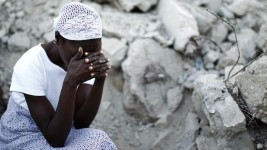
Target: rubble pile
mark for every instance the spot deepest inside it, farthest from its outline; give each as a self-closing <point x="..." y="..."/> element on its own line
<point x="166" y="89"/>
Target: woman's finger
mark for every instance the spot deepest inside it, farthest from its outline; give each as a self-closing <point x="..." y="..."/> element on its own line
<point x="99" y="66"/>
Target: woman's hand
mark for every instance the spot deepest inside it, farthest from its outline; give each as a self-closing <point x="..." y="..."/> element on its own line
<point x="98" y="64"/>
<point x="79" y="69"/>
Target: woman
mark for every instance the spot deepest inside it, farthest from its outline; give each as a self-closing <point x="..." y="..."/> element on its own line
<point x="57" y="87"/>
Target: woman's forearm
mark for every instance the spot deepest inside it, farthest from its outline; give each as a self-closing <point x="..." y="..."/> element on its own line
<point x="92" y="99"/>
<point x="61" y="122"/>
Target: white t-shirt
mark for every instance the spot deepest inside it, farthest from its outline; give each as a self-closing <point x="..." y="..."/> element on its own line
<point x="36" y="75"/>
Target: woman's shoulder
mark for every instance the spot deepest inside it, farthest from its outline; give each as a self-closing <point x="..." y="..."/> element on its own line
<point x="32" y="53"/>
<point x="31" y="57"/>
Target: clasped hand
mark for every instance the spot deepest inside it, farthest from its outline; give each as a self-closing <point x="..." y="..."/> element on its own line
<point x="84" y="66"/>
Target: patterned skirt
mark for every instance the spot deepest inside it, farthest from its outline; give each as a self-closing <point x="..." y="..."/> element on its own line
<point x="19" y="131"/>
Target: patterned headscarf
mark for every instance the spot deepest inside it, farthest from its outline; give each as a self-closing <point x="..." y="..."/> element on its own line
<point x="77" y="21"/>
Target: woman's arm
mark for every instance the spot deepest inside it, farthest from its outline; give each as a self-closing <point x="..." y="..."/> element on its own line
<point x="87" y="103"/>
<point x="88" y="97"/>
<point x="54" y="125"/>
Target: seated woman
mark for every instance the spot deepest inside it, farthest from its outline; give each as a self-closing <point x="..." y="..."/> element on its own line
<point x="57" y="88"/>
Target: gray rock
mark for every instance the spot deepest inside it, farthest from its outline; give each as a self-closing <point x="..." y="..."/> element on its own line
<point x="262" y="38"/>
<point x="19" y="42"/>
<point x="20" y="14"/>
<point x="206" y="143"/>
<point x="164" y="121"/>
<point x="128" y="25"/>
<point x="242" y="141"/>
<point x="252" y="20"/>
<point x="178" y="22"/>
<point x="148" y="76"/>
<point x="204" y="18"/>
<point x="219" y="32"/>
<point x="231" y="37"/>
<point x="115" y="50"/>
<point x="240" y="7"/>
<point x="226" y="13"/>
<point x="247" y="39"/>
<point x="219" y="103"/>
<point x="230" y="58"/>
<point x="159" y="37"/>
<point x="2" y="2"/>
<point x="2" y="32"/>
<point x="211" y="57"/>
<point x="222" y="112"/>
<point x="190" y="50"/>
<point x="192" y="125"/>
<point x="225" y="46"/>
<point x="189" y="80"/>
<point x="252" y="84"/>
<point x="174" y="98"/>
<point x="235" y="70"/>
<point x="190" y="134"/>
<point x="197" y="105"/>
<point x="213" y="5"/>
<point x="129" y="5"/>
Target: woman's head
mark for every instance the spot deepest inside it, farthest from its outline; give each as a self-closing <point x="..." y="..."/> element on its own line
<point x="78" y="22"/>
<point x="77" y="25"/>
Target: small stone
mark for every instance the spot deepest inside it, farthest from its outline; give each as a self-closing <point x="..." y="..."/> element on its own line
<point x="240" y="7"/>
<point x="19" y="41"/>
<point x="164" y="121"/>
<point x="219" y="32"/>
<point x="235" y="91"/>
<point x="20" y="14"/>
<point x="262" y="38"/>
<point x="2" y="32"/>
<point x="2" y="1"/>
<point x="178" y="21"/>
<point x="115" y="50"/>
<point x="259" y="146"/>
<point x="209" y="66"/>
<point x="174" y="98"/>
<point x="129" y="5"/>
<point x="211" y="57"/>
<point x="190" y="50"/>
<point x="226" y="13"/>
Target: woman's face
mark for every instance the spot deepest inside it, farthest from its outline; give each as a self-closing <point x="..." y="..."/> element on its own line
<point x="68" y="48"/>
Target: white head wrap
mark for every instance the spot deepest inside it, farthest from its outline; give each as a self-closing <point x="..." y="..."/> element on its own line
<point x="77" y="21"/>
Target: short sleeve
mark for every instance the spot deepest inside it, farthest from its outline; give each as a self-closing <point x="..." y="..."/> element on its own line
<point x="28" y="77"/>
<point x="91" y="82"/>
